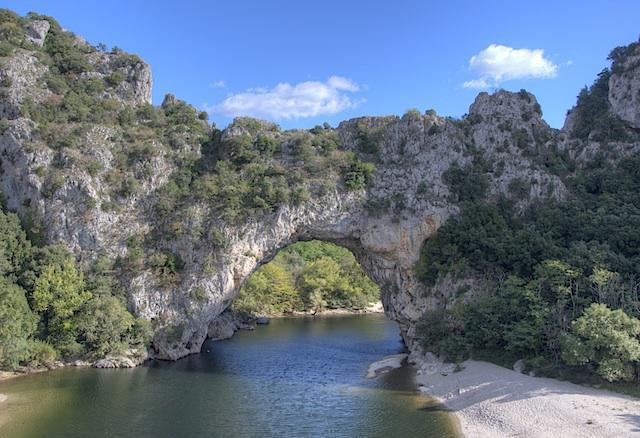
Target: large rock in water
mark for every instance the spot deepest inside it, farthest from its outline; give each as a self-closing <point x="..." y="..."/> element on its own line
<point x="70" y="191"/>
<point x="385" y="365"/>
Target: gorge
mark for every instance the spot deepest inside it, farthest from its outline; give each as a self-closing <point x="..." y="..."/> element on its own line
<point x="185" y="212"/>
<point x="385" y="225"/>
<point x="131" y="232"/>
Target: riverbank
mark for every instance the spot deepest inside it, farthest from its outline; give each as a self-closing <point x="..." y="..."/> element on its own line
<point x="492" y="401"/>
<point x="372" y="308"/>
<point x="128" y="359"/>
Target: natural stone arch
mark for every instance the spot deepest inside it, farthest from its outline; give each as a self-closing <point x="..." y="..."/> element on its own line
<point x="413" y="154"/>
<point x="387" y="253"/>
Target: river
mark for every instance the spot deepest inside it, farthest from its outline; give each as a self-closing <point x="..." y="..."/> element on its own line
<point x="292" y="378"/>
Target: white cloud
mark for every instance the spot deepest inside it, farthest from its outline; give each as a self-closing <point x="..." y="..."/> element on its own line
<point x="340" y="83"/>
<point x="499" y="63"/>
<point x="286" y="101"/>
<point x="218" y="84"/>
<point x="479" y="84"/>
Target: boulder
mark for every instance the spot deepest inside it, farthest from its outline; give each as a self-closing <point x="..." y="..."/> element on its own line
<point x="385" y="364"/>
<point x="128" y="359"/>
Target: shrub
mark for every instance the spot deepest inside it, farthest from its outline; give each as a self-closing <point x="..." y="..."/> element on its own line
<point x="608" y="339"/>
<point x="439" y="332"/>
<point x="359" y="175"/>
<point x="17" y="324"/>
<point x="41" y="353"/>
<point x="59" y="292"/>
<point x="114" y="79"/>
<point x="104" y="325"/>
<point x="468" y="183"/>
<point x="6" y="49"/>
<point x="592" y="112"/>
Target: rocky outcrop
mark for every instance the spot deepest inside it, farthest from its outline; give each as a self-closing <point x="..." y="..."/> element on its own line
<point x="624" y="87"/>
<point x="69" y="190"/>
<point x="128" y="359"/>
<point x="36" y="31"/>
<point x="226" y="324"/>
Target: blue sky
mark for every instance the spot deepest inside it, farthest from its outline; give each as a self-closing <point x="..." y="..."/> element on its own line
<point x="338" y="59"/>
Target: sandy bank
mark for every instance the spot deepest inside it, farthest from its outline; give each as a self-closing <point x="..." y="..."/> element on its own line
<point x="492" y="401"/>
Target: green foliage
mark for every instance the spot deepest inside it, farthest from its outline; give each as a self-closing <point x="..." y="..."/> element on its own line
<point x="15" y="249"/>
<point x="359" y="175"/>
<point x="480" y="237"/>
<point x="58" y="294"/>
<point x="167" y="265"/>
<point x="271" y="289"/>
<point x="105" y="325"/>
<point x="542" y="267"/>
<point x="115" y="79"/>
<point x="47" y="309"/>
<point x="41" y="353"/>
<point x="440" y="332"/>
<point x="17" y="324"/>
<point x="593" y="115"/>
<point x="308" y="276"/>
<point x="606" y="338"/>
<point x="468" y="183"/>
<point x="367" y="141"/>
<point x="619" y="56"/>
<point x="412" y="114"/>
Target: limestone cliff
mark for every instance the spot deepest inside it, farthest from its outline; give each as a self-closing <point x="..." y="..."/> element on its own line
<point x="95" y="183"/>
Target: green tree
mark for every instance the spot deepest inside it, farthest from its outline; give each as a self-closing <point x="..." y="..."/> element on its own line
<point x="442" y="333"/>
<point x="318" y="281"/>
<point x="15" y="249"/>
<point x="605" y="338"/>
<point x="17" y="324"/>
<point x="271" y="289"/>
<point x="104" y="325"/>
<point x="58" y="294"/>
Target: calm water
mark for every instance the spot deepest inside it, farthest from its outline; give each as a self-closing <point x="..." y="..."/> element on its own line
<point x="292" y="378"/>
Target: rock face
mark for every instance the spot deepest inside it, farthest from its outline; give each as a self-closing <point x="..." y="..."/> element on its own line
<point x="37" y="31"/>
<point x="225" y="325"/>
<point x="385" y="225"/>
<point x="624" y="87"/>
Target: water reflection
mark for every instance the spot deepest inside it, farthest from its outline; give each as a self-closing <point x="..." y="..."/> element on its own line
<point x="296" y="377"/>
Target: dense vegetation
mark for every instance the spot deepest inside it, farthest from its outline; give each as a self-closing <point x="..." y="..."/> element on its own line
<point x="557" y="283"/>
<point x="50" y="309"/>
<point x="542" y="268"/>
<point x="308" y="276"/>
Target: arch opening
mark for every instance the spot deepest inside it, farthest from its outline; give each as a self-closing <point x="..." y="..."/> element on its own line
<point x="309" y="277"/>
